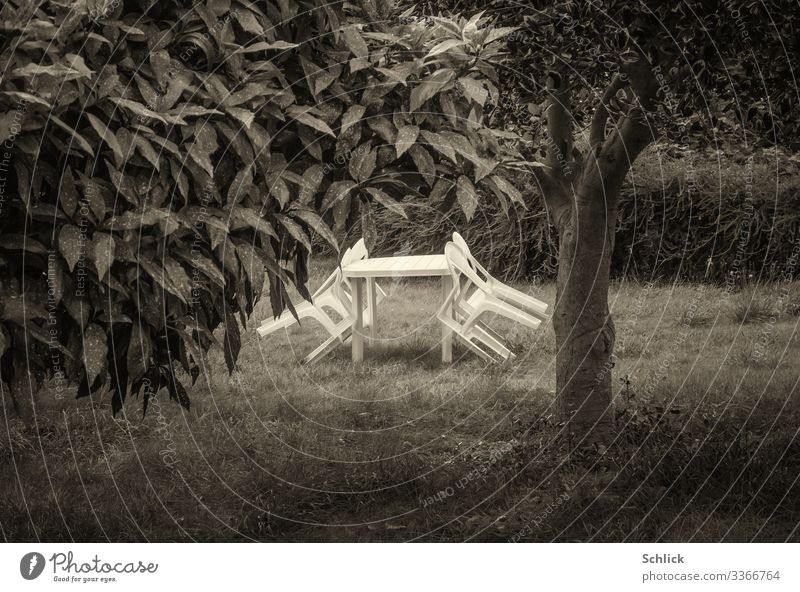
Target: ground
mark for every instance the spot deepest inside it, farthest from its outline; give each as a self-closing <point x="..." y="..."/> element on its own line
<point x="402" y="448"/>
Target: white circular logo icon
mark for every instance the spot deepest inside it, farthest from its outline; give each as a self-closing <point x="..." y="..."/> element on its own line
<point x="31" y="565"/>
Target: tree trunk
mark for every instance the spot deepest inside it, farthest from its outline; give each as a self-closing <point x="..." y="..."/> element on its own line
<point x="583" y="326"/>
<point x="581" y="195"/>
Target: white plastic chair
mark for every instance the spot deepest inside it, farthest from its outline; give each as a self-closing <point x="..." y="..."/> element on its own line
<point x="344" y="330"/>
<point x="498" y="289"/>
<point x="463" y="308"/>
<point x="358" y="252"/>
<point x="322" y="298"/>
<point x="335" y="294"/>
<point x="472" y="297"/>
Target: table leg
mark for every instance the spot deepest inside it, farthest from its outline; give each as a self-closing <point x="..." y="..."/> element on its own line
<point x="372" y="310"/>
<point x="357" y="287"/>
<point x="447" y="333"/>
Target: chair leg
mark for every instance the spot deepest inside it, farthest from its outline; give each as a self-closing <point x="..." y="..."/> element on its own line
<point x="345" y="308"/>
<point x="457" y="329"/>
<point x="474" y="348"/>
<point x="331" y="301"/>
<point x="528" y="304"/>
<point x="327" y="347"/>
<point x="484" y="333"/>
<point x="491" y="342"/>
<point x="473" y="318"/>
<point x="489" y="330"/>
<point x="285" y="320"/>
<point x="514" y="314"/>
<point x="344" y="331"/>
<point x="324" y="320"/>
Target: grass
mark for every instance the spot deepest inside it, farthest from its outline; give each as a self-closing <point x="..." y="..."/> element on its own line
<point x="401" y="448"/>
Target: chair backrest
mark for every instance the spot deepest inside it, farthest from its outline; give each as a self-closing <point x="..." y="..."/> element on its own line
<point x="355" y="253"/>
<point x="359" y="251"/>
<point x="347" y="258"/>
<point x="461" y="267"/>
<point x="459" y="240"/>
<point x="477" y="267"/>
<point x="332" y="278"/>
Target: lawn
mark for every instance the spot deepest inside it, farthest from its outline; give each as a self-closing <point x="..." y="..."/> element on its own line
<point x="402" y="448"/>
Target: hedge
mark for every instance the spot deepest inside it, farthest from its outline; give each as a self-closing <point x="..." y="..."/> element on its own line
<point x="715" y="218"/>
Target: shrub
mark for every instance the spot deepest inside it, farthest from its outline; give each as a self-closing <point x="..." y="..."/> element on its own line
<point x="168" y="160"/>
<point x="718" y="218"/>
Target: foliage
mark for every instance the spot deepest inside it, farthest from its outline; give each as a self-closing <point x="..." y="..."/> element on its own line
<point x="725" y="68"/>
<point x="719" y="218"/>
<point x="167" y="160"/>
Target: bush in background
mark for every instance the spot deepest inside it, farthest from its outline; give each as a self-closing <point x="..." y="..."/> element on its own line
<point x="715" y="217"/>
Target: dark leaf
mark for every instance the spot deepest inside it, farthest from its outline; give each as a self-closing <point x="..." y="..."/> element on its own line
<point x="295" y="230"/>
<point x="95" y="348"/>
<point x="233" y="340"/>
<point x="386" y="201"/>
<point x="177" y="391"/>
<point x="467" y="196"/>
<point x="316" y="222"/>
<point x="72" y="244"/>
<point x="406" y="136"/>
<point x="362" y="164"/>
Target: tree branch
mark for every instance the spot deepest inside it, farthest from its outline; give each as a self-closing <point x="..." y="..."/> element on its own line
<point x="554" y="190"/>
<point x="552" y="175"/>
<point x="559" y="127"/>
<point x="634" y="131"/>
<point x="597" y="130"/>
<point x="643" y="82"/>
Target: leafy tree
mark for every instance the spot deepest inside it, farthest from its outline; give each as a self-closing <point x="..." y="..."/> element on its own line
<point x="165" y="161"/>
<point x="605" y="79"/>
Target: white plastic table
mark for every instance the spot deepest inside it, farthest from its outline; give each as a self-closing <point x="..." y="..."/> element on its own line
<point x="362" y="274"/>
